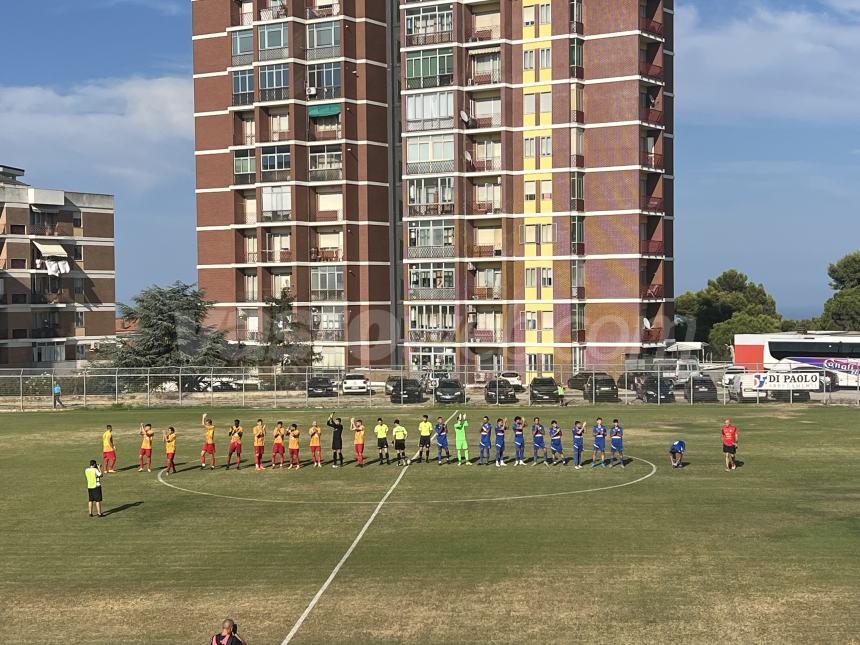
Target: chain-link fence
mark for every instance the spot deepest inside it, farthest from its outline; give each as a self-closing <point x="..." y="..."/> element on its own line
<point x="682" y="383"/>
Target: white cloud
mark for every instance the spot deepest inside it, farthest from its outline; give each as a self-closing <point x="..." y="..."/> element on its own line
<point x="769" y="64"/>
<point x="846" y="6"/>
<point x="126" y="134"/>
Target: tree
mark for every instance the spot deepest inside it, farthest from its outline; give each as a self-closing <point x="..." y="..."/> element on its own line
<point x="845" y="274"/>
<point x="723" y="333"/>
<point x="842" y="311"/>
<point x="287" y="340"/>
<point x="171" y="330"/>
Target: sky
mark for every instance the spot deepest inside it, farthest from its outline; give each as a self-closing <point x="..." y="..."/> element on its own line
<point x="96" y="96"/>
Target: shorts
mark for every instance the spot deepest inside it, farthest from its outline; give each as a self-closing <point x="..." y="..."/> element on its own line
<point x="500" y="445"/>
<point x="462" y="444"/>
<point x="600" y="444"/>
<point x="316" y="449"/>
<point x="294" y="452"/>
<point x="578" y="445"/>
<point x="382" y="443"/>
<point x="337" y="443"/>
<point x="258" y="450"/>
<point x="485" y="444"/>
<point x="95" y="494"/>
<point x="556" y="446"/>
<point x="424" y="441"/>
<point x="109" y="454"/>
<point x="442" y="441"/>
<point x="277" y="449"/>
<point x="676" y="452"/>
<point x="617" y="445"/>
<point x="209" y="448"/>
<point x="146" y="452"/>
<point x="730" y="449"/>
<point x="359" y="447"/>
<point x="400" y="444"/>
<point x="539" y="443"/>
<point x="234" y="447"/>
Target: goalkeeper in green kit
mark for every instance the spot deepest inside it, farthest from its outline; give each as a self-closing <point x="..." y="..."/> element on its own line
<point x="461" y="441"/>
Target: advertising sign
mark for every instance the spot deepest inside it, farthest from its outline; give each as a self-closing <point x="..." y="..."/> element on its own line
<point x="786" y="381"/>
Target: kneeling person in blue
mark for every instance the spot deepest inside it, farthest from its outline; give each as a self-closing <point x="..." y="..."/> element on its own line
<point x="616" y="443"/>
<point x="676" y="453"/>
<point x="555" y="443"/>
<point x="599" y="444"/>
<point x="578" y="444"/>
<point x="441" y="430"/>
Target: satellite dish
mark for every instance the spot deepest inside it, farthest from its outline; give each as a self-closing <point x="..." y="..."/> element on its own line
<point x="646" y="323"/>
<point x="463" y="116"/>
<point x="468" y="156"/>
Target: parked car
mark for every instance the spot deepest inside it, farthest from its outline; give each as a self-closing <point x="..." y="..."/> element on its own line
<point x="543" y="390"/>
<point x="389" y="383"/>
<point x="450" y="391"/>
<point x="223" y="386"/>
<point x="601" y="387"/>
<point x="654" y="390"/>
<point x="790" y="396"/>
<point x="578" y="380"/>
<point x="701" y="389"/>
<point x="431" y="379"/>
<point x="731" y="372"/>
<point x="407" y="390"/>
<point x="742" y="390"/>
<point x="514" y="379"/>
<point x="355" y="384"/>
<point x="826" y="380"/>
<point x="500" y="391"/>
<point x="320" y="386"/>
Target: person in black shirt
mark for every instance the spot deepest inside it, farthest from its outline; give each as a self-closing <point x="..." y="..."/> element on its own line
<point x="336" y="440"/>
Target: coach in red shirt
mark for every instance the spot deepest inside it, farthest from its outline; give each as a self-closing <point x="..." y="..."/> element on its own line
<point x="730" y="444"/>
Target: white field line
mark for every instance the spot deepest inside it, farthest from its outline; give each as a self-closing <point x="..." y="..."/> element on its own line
<point x="339" y="565"/>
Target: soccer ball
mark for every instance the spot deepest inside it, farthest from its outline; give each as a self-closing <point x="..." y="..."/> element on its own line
<point x="408" y="462"/>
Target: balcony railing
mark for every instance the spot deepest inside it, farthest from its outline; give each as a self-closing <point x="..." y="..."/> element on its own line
<point x="485" y="208"/>
<point x="491" y="121"/>
<point x="329" y="335"/>
<point x="650" y="115"/>
<point x="252" y="257"/>
<point x="443" y="123"/>
<point x="577" y="204"/>
<point x="434" y="38"/>
<point x="248" y="335"/>
<point x="421" y="252"/>
<point x="246" y="19"/>
<point x="577" y="248"/>
<point x="577" y="116"/>
<point x="652" y="160"/>
<point x="421" y="82"/>
<point x="489" y="32"/>
<point x="486" y="165"/>
<point x="431" y="293"/>
<point x="421" y="210"/>
<point x="577" y="335"/>
<point x="240" y="60"/>
<point x="318" y="53"/>
<point x="575" y="27"/>
<point x="325" y="174"/>
<point x="328" y="216"/>
<point x="577" y="71"/>
<point x="243" y="98"/>
<point x="48" y="230"/>
<point x="487" y="336"/>
<point x="277" y="255"/>
<point x="429" y="167"/>
<point x="484" y="251"/>
<point x="653" y="335"/>
<point x="242" y="179"/>
<point x="326" y="255"/>
<point x="275" y="53"/>
<point x="577" y="293"/>
<point x="653" y="292"/>
<point x="322" y="92"/>
<point x="651" y="27"/>
<point x="432" y="335"/>
<point x="577" y="161"/>
<point x="52" y="331"/>
<point x="651" y="71"/>
<point x="654" y="204"/>
<point x="277" y="216"/>
<point x="487" y="293"/>
<point x="276" y="175"/>
<point x="324" y="134"/>
<point x="652" y="247"/>
<point x="485" y="78"/>
<point x="273" y="13"/>
<point x="325" y="11"/>
<point x="275" y="94"/>
<point x="326" y="295"/>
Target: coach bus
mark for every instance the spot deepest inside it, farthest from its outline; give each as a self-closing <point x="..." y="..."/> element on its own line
<point x="836" y="353"/>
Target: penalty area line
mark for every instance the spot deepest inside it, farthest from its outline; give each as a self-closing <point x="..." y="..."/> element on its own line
<point x="313" y="603"/>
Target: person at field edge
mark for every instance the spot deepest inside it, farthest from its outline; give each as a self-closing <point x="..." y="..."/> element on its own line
<point x="234" y="434"/>
<point x="485" y="442"/>
<point x="555" y="443"/>
<point x="599" y="444"/>
<point x="57" y="393"/>
<point x="146" y="433"/>
<point x="501" y="427"/>
<point x="561" y="402"/>
<point x="259" y="444"/>
<point x="294" y="447"/>
<point x="358" y="440"/>
<point x="730" y="444"/>
<point x="316" y="444"/>
<point x="425" y="432"/>
<point x="539" y="441"/>
<point x="278" y="435"/>
<point x="460" y="440"/>
<point x="94" y="487"/>
<point x="108" y="450"/>
<point x="208" y="442"/>
<point x="616" y="443"/>
<point x="381" y="432"/>
<point x="400" y="434"/>
<point x="676" y="453"/>
<point x="578" y="443"/>
<point x="519" y="441"/>
<point x="229" y="634"/>
<point x="441" y="429"/>
<point x="170" y="449"/>
<point x="336" y="426"/>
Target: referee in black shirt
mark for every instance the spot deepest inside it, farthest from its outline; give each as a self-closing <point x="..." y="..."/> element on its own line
<point x="336" y="440"/>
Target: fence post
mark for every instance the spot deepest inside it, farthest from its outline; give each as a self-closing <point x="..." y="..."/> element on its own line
<point x="275" y="382"/>
<point x="307" y="370"/>
<point x="85" y="388"/>
<point x="148" y="385"/>
<point x="180" y="387"/>
<point x="53" y="398"/>
<point x="116" y="386"/>
<point x="212" y="387"/>
<point x="21" y="387"/>
<point x="243" y="386"/>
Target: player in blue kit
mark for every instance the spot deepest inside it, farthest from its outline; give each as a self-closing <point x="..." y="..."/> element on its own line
<point x="519" y="441"/>
<point x="578" y="443"/>
<point x="539" y="441"/>
<point x="501" y="427"/>
<point x="441" y="430"/>
<point x="616" y="443"/>
<point x="676" y="453"/>
<point x="599" y="444"/>
<point x="555" y="443"/>
<point x="485" y="442"/>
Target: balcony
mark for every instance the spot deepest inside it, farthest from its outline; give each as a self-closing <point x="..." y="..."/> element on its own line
<point x="49" y="230"/>
<point x="319" y="53"/>
<point x="653" y="335"/>
<point x="577" y="161"/>
<point x="577" y="71"/>
<point x="326" y="255"/>
<point x="577" y="204"/>
<point x="323" y="11"/>
<point x="423" y="252"/>
<point x="488" y="164"/>
<point x="275" y="94"/>
<point x="654" y="204"/>
<point x="487" y="336"/>
<point x="577" y="248"/>
<point x="493" y="292"/>
<point x="241" y="60"/>
<point x="422" y="210"/>
<point x="491" y="121"/>
<point x="417" y="125"/>
<point x="488" y="77"/>
<point x="422" y="82"/>
<point x="249" y="336"/>
<point x="51" y="331"/>
<point x="487" y="32"/>
<point x="577" y="116"/>
<point x="651" y="27"/>
<point x="326" y="295"/>
<point x="577" y="335"/>
<point x="273" y="13"/>
<point x="576" y="27"/>
<point x="432" y="335"/>
<point x="329" y="335"/>
<point x="651" y="71"/>
<point x="245" y="178"/>
<point x="484" y="251"/>
<point x="283" y="174"/>
<point x="652" y="247"/>
<point x="650" y="115"/>
<point x="431" y="293"/>
<point x="485" y="208"/>
<point x="429" y="38"/>
<point x="577" y="293"/>
<point x="322" y="92"/>
<point x="325" y="174"/>
<point x="324" y="134"/>
<point x="652" y="292"/>
<point x="651" y="160"/>
<point x="277" y="216"/>
<point x="277" y="256"/>
<point x="243" y="98"/>
<point x="251" y="257"/>
<point x="430" y="167"/>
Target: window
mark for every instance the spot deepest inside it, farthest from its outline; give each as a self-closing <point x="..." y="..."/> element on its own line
<point x="275" y="158"/>
<point x="244" y="162"/>
<point x="429" y="20"/>
<point x="577" y="273"/>
<point x="531" y="362"/>
<point x="431" y="317"/>
<point x="577" y="186"/>
<point x="429" y="63"/>
<point x="546" y="102"/>
<point x="433" y="106"/>
<point x="324" y="75"/>
<point x="431" y="191"/>
<point x="325" y="158"/>
<point x="78" y="285"/>
<point x="530" y="191"/>
<point x="431" y="233"/>
<point x="545" y="58"/>
<point x="80" y="352"/>
<point x="546" y="320"/>
<point x="577" y="317"/>
<point x="529" y="147"/>
<point x="529" y="16"/>
<point x="277" y="199"/>
<point x="327" y="279"/>
<point x="544" y="14"/>
<point x="530" y="320"/>
<point x="328" y="318"/>
<point x="546" y="362"/>
<point x="531" y="278"/>
<point x="546" y="146"/>
<point x="529" y="103"/>
<point x="274" y="76"/>
<point x="529" y="59"/>
<point x="546" y="190"/>
<point x="577" y="141"/>
<point x="273" y="36"/>
<point x="577" y="229"/>
<point x="547" y="233"/>
<point x="279" y="122"/>
<point x="281" y="281"/>
<point x="79" y="319"/>
<point x="430" y="148"/>
<point x="243" y="81"/>
<point x="249" y="281"/>
<point x="431" y="275"/>
<point x="576" y="53"/>
<point x="243" y="42"/>
<point x="76" y="219"/>
<point x="545" y="277"/>
<point x="324" y="34"/>
<point x="77" y="252"/>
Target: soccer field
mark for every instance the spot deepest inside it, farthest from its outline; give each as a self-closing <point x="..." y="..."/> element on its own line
<point x="767" y="553"/>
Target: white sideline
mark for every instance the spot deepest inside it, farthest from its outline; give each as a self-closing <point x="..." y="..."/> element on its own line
<point x="339" y="565"/>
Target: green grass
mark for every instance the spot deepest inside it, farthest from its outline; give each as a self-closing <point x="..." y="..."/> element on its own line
<point x="768" y="553"/>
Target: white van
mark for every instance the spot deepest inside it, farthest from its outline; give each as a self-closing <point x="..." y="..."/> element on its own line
<point x="743" y="390"/>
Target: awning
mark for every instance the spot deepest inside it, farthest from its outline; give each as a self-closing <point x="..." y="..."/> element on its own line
<point x="484" y="50"/>
<point x="687" y="347"/>
<point x="51" y="250"/>
<point x="329" y="109"/>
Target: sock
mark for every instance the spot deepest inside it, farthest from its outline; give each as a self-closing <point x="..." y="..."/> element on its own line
<point x="466" y="453"/>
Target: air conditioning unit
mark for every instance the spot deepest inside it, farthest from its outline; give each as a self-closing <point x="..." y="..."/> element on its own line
<point x="311" y="91"/>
